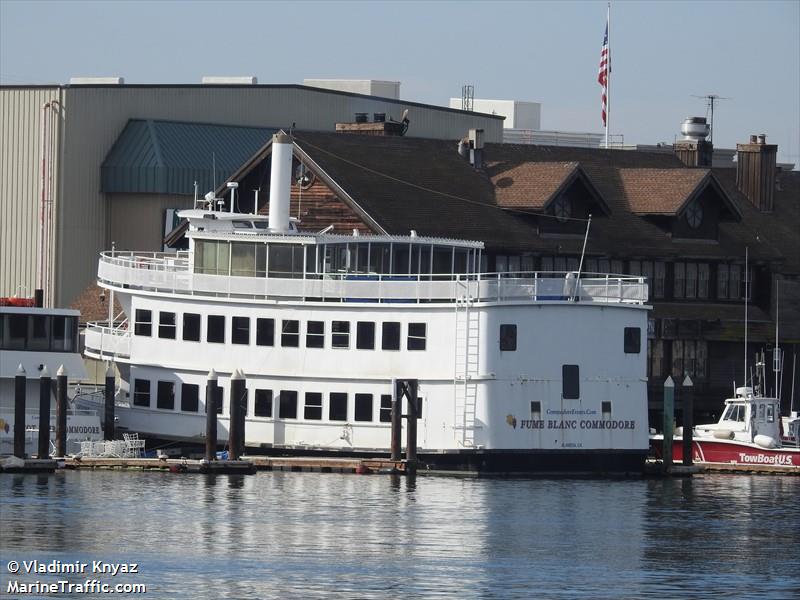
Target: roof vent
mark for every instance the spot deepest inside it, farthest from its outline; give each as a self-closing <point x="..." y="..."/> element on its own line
<point x="97" y="81"/>
<point x="695" y="129"/>
<point x="228" y="80"/>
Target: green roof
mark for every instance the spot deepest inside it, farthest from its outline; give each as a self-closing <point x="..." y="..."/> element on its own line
<point x="167" y="157"/>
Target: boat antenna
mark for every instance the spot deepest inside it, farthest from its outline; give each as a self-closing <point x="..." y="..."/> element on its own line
<point x="746" y="289"/>
<point x="794" y="367"/>
<point x="583" y="252"/>
<point x="776" y="354"/>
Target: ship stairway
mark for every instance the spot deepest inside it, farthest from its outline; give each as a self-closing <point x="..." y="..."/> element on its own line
<point x="465" y="379"/>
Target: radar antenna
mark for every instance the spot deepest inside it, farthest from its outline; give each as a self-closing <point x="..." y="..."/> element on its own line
<point x="711" y="99"/>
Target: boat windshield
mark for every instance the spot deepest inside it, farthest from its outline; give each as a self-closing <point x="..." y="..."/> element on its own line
<point x="734" y="412"/>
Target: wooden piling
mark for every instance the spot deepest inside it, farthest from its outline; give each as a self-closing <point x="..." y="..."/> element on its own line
<point x="397" y="422"/>
<point x="211" y="416"/>
<point x="108" y="420"/>
<point x="411" y="425"/>
<point x="19" y="412"/>
<point x="238" y="406"/>
<point x="687" y="397"/>
<point x="45" y="382"/>
<point x="61" y="412"/>
<point x="669" y="417"/>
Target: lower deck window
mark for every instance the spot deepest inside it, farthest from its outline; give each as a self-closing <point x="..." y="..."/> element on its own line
<point x="263" y="403"/>
<point x="363" y="407"/>
<point x="290" y="334"/>
<point x="141" y="392"/>
<point x="337" y="411"/>
<point x="365" y="335"/>
<point x="287" y="402"/>
<point x="508" y="338"/>
<point x="190" y="397"/>
<point x="416" y="336"/>
<point x="166" y="395"/>
<point x="633" y="340"/>
<point x="313" y="407"/>
<point x="240" y="330"/>
<point x="315" y="334"/>
<point x="390" y="339"/>
<point x="340" y="334"/>
<point x="215" y="330"/>
<point x="265" y="332"/>
<point x="386" y="408"/>
<point x="143" y="323"/>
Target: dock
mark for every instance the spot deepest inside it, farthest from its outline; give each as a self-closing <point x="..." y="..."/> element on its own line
<point x="654" y="468"/>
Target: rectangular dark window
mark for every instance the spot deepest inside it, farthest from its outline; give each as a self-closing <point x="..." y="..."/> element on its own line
<point x="536" y="408"/>
<point x="340" y="334"/>
<point x="265" y="332"/>
<point x="290" y="334"/>
<point x="288" y="405"/>
<point x="215" y="329"/>
<point x="416" y="336"/>
<point x="363" y="407"/>
<point x="337" y="411"/>
<point x="144" y="322"/>
<point x="313" y="407"/>
<point x="605" y="407"/>
<point x="40" y="338"/>
<point x="166" y="325"/>
<point x="390" y="340"/>
<point x="63" y="333"/>
<point x="365" y="335"/>
<point x="240" y="330"/>
<point x="190" y="397"/>
<point x="141" y="392"/>
<point x="17" y="332"/>
<point x="419" y="407"/>
<point x="191" y="327"/>
<point x="508" y="338"/>
<point x="571" y="385"/>
<point x="633" y="340"/>
<point x="263" y="407"/>
<point x="166" y="395"/>
<point x="315" y="334"/>
<point x="386" y="408"/>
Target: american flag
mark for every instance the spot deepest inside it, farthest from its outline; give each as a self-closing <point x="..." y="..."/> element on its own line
<point x="602" y="76"/>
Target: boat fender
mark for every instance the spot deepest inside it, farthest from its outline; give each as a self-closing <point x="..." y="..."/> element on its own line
<point x="362" y="470"/>
<point x="765" y="441"/>
<point x="723" y="434"/>
<point x="679" y="431"/>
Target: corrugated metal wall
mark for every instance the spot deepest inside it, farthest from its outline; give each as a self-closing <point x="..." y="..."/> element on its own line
<point x="147" y="211"/>
<point x="20" y="155"/>
<point x="95" y="116"/>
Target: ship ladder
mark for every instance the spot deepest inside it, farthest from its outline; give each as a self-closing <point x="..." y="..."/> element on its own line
<point x="465" y="385"/>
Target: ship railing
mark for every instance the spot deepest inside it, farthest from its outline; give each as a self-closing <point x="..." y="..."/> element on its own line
<point x="171" y="273"/>
<point x="106" y="341"/>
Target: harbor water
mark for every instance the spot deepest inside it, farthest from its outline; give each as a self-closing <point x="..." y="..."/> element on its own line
<point x="308" y="535"/>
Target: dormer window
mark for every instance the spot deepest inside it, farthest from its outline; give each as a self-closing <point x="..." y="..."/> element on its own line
<point x="562" y="208"/>
<point x="694" y="215"/>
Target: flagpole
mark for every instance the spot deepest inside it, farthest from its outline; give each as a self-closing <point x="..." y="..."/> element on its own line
<point x="608" y="74"/>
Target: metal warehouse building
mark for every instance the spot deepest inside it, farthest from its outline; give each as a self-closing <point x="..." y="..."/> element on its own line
<point x="56" y="142"/>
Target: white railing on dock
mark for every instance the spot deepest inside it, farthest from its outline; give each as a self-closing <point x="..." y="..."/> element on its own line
<point x="103" y="341"/>
<point x="169" y="273"/>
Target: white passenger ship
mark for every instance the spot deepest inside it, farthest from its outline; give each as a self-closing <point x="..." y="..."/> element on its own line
<point x="517" y="371"/>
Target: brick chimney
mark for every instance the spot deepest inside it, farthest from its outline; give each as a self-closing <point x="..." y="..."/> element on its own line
<point x="755" y="171"/>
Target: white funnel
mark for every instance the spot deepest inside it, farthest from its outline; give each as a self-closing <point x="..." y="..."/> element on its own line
<point x="280" y="182"/>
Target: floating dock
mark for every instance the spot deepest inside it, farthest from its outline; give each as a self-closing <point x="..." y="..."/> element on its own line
<point x="655" y="468"/>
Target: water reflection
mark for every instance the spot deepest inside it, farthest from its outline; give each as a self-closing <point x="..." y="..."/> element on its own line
<point x="287" y="534"/>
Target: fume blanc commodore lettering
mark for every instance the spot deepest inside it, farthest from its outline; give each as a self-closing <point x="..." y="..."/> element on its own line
<point x="576" y="424"/>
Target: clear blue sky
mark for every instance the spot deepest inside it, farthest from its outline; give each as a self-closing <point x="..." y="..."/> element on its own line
<point x="662" y="53"/>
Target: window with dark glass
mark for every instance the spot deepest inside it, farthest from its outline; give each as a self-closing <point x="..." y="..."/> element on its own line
<point x="141" y="392"/>
<point x="363" y="407"/>
<point x="190" y="397"/>
<point x="166" y="325"/>
<point x="703" y="276"/>
<point x="536" y="408"/>
<point x="144" y="322"/>
<point x="679" y="281"/>
<point x="240" y="330"/>
<point x="508" y="337"/>
<point x="633" y="340"/>
<point x="215" y="329"/>
<point x="313" y="407"/>
<point x="340" y="334"/>
<point x="17" y="332"/>
<point x="390" y="340"/>
<point x="571" y="387"/>
<point x="265" y="332"/>
<point x="287" y="401"/>
<point x="416" y="336"/>
<point x="365" y="335"/>
<point x="290" y="333"/>
<point x="605" y="407"/>
<point x="263" y="403"/>
<point x="386" y="408"/>
<point x="64" y="329"/>
<point x="191" y="327"/>
<point x="40" y="333"/>
<point x="337" y="410"/>
<point x="315" y="334"/>
<point x="166" y="395"/>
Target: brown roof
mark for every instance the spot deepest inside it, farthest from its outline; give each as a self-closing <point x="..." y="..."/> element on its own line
<point x="528" y="185"/>
<point x="660" y="191"/>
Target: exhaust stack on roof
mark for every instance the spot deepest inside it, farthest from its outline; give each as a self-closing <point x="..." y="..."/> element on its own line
<point x="694" y="149"/>
<point x="280" y="182"/>
<point x="755" y="171"/>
